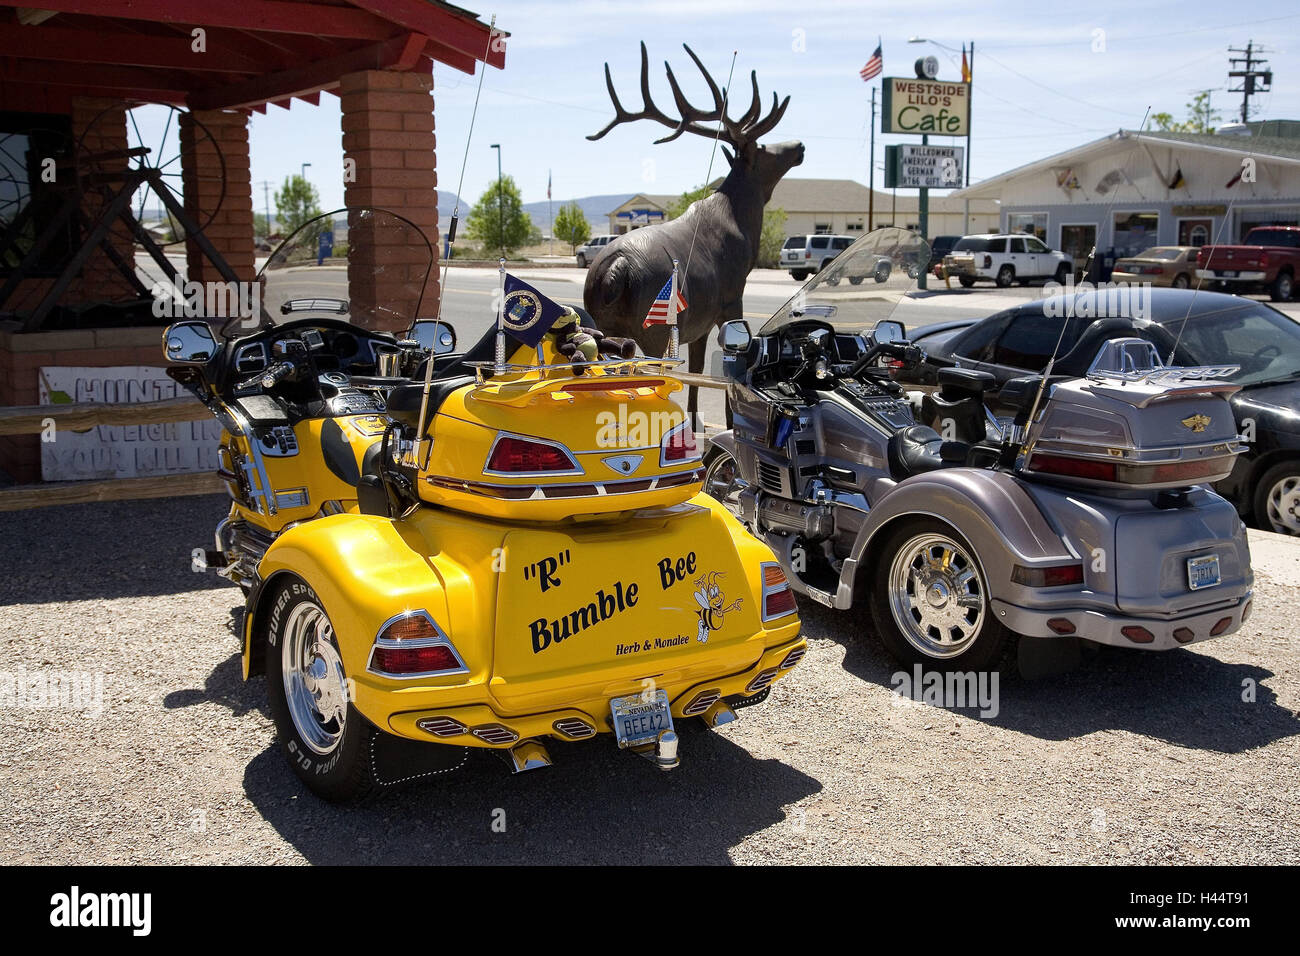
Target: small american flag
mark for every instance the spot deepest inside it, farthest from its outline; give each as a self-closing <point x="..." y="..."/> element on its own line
<point x="658" y="314"/>
<point x="873" y="68"/>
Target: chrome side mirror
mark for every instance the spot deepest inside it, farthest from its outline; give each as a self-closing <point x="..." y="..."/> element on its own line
<point x="189" y="343"/>
<point x="436" y="336"/>
<point x="734" y="336"/>
<point x="889" y="330"/>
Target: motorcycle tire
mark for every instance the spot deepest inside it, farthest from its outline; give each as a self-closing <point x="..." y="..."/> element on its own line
<point x="335" y="764"/>
<point x="910" y="625"/>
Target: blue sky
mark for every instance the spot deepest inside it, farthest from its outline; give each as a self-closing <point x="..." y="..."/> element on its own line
<point x="1039" y="85"/>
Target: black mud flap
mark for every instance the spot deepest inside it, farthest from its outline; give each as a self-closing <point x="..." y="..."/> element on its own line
<point x="396" y="760"/>
<point x="1039" y="657"/>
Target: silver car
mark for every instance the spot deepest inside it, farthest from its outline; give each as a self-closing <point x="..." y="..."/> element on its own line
<point x="593" y="247"/>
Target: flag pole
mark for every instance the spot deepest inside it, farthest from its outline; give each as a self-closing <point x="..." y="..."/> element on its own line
<point x="672" y="315"/>
<point x="501" y="317"/>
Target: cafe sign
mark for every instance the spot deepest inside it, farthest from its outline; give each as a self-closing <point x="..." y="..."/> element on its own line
<point x="939" y="107"/>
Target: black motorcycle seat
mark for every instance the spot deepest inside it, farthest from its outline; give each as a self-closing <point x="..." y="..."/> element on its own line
<point x="404" y="400"/>
<point x="913" y="451"/>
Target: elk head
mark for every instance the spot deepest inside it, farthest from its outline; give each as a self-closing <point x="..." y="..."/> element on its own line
<point x="765" y="165"/>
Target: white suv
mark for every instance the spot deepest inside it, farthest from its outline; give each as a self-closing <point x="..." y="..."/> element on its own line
<point x="592" y="248"/>
<point x="1005" y="259"/>
<point x="804" y="255"/>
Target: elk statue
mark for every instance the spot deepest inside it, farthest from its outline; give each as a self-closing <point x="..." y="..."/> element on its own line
<point x="715" y="241"/>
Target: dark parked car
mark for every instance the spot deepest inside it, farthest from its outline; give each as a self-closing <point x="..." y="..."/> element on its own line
<point x="1220" y="330"/>
<point x="940" y="246"/>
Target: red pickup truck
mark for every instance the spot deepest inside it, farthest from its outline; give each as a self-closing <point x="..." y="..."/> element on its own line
<point x="1268" y="257"/>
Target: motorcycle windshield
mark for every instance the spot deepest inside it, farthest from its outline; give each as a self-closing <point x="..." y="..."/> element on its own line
<point x="862" y="285"/>
<point x="365" y="266"/>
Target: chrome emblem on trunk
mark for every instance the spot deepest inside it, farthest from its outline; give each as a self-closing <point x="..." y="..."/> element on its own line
<point x="624" y="464"/>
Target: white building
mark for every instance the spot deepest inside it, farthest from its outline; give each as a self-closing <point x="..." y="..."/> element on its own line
<point x="1133" y="190"/>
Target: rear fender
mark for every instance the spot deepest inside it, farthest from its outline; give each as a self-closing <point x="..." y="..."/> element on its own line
<point x="367" y="569"/>
<point x="990" y="509"/>
<point x="726" y="441"/>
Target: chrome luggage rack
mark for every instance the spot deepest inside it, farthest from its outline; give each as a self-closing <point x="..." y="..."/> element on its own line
<point x="486" y="370"/>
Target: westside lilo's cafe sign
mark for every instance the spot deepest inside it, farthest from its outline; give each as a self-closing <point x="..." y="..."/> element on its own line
<point x="925" y="106"/>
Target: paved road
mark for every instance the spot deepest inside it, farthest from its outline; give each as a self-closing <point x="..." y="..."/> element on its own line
<point x="1192" y="756"/>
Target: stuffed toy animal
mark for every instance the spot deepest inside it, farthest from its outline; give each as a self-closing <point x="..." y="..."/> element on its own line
<point x="581" y="344"/>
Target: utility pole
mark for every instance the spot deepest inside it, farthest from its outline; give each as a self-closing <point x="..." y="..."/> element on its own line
<point x="871" y="165"/>
<point x="266" y="193"/>
<point x="1250" y="68"/>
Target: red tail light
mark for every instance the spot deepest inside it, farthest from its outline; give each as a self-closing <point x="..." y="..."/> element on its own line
<point x="412" y="645"/>
<point x="778" y="599"/>
<point x="1137" y="634"/>
<point x="512" y="455"/>
<point x="679" y="445"/>
<point x="1074" y="467"/>
<point x="1056" y="576"/>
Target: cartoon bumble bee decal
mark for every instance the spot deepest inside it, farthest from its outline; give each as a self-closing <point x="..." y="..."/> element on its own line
<point x="713" y="604"/>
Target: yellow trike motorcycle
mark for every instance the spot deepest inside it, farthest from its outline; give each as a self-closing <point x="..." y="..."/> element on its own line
<point x="444" y="550"/>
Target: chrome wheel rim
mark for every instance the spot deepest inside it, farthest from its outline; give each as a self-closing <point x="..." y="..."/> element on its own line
<point x="315" y="686"/>
<point x="1284" y="505"/>
<point x="936" y="596"/>
<point x="721" y="482"/>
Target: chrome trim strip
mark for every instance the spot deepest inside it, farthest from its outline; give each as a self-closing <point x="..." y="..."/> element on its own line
<point x="603" y="488"/>
<point x="440" y="639"/>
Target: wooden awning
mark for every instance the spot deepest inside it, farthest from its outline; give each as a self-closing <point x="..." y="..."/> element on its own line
<point x="225" y="54"/>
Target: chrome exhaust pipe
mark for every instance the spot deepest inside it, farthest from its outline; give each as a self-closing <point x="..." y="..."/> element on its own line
<point x="528" y="755"/>
<point x="666" y="750"/>
<point x="719" y="715"/>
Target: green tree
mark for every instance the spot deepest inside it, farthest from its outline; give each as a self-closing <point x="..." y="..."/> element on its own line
<point x="571" y="226"/>
<point x="1200" y="117"/>
<point x="678" y="208"/>
<point x="295" y="203"/>
<point x="772" y="238"/>
<point x="498" y="220"/>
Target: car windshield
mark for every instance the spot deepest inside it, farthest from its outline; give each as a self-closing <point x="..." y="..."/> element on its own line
<point x="1263" y="341"/>
<point x="978" y="244"/>
<point x="862" y="285"/>
<point x="794" y="242"/>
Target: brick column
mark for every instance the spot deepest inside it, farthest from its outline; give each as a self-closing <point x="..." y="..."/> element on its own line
<point x="231" y="232"/>
<point x="388" y="133"/>
<point x="99" y="126"/>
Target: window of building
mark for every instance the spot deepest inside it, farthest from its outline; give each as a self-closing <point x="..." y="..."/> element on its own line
<point x="1028" y="223"/>
<point x="822" y="228"/>
<point x="1135" y="231"/>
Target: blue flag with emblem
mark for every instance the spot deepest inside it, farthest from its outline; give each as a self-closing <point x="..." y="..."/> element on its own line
<point x="526" y="313"/>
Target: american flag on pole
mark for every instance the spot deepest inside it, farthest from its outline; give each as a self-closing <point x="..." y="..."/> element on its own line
<point x="873" y="68"/>
<point x="659" y="310"/>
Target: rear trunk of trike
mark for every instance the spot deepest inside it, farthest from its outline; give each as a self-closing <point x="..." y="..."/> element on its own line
<point x="565" y="555"/>
<point x="1123" y="469"/>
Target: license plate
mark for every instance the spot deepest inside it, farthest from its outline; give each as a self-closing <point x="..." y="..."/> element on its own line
<point x="1228" y="273"/>
<point x="1203" y="572"/>
<point x="640" y="718"/>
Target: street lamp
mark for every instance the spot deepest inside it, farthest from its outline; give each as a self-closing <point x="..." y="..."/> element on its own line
<point x="970" y="66"/>
<point x="501" y="202"/>
<point x="303" y="175"/>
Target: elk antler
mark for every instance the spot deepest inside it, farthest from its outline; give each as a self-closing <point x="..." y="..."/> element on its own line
<point x="739" y="133"/>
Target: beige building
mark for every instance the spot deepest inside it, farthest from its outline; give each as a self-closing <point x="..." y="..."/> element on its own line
<point x="834" y="206"/>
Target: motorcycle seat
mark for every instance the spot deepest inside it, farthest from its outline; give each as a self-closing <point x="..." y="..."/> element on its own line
<point x="404" y="400"/>
<point x="915" y="450"/>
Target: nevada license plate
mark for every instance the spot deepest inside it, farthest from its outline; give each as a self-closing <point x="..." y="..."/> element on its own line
<point x="1203" y="572"/>
<point x="640" y="718"/>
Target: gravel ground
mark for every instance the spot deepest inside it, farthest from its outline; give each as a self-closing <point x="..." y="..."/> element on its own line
<point x="1131" y="758"/>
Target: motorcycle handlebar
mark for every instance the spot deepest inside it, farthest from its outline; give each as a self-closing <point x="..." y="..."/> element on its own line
<point x="269" y="377"/>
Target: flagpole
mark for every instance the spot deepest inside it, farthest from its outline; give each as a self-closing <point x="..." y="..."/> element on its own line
<point x="501" y="317"/>
<point x="871" y="166"/>
<point x="672" y="315"/>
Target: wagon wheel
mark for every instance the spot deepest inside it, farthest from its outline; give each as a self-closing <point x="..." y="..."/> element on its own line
<point x="158" y="134"/>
